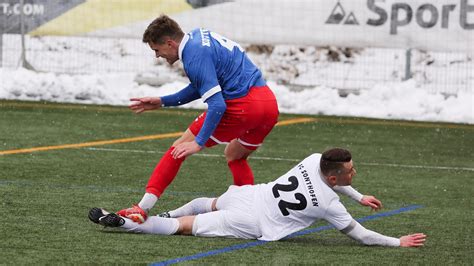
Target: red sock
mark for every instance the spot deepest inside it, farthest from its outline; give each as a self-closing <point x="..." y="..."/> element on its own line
<point x="241" y="171"/>
<point x="164" y="173"/>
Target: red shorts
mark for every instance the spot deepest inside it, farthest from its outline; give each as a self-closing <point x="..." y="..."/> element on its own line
<point x="248" y="119"/>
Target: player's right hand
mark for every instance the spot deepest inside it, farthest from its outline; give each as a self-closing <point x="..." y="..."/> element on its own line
<point x="371" y="202"/>
<point x="413" y="240"/>
<point x="140" y="105"/>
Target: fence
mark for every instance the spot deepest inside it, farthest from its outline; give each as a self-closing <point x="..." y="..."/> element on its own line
<point x="303" y="62"/>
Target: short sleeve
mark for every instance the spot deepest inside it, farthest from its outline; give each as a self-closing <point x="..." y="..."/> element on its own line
<point x="201" y="72"/>
<point x="337" y="215"/>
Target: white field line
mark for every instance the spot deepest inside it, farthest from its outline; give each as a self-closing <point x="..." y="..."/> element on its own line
<point x="296" y="160"/>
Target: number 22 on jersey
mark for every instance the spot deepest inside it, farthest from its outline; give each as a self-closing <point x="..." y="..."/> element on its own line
<point x="285" y="205"/>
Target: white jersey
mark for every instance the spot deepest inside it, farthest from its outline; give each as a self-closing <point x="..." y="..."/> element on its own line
<point x="296" y="200"/>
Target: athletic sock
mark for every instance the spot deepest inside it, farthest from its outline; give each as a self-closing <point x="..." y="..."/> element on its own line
<point x="148" y="201"/>
<point x="164" y="173"/>
<point x="194" y="207"/>
<point x="153" y="225"/>
<point x="241" y="171"/>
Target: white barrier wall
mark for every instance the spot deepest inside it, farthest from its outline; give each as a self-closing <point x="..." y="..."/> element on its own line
<point x="444" y="28"/>
<point x="437" y="25"/>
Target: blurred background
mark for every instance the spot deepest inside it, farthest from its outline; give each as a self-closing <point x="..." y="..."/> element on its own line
<point x="345" y="45"/>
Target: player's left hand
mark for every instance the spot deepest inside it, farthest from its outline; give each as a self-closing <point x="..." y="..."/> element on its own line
<point x="413" y="240"/>
<point x="184" y="149"/>
<point x="371" y="202"/>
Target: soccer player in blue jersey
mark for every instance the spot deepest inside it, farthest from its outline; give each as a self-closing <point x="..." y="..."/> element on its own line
<point x="242" y="110"/>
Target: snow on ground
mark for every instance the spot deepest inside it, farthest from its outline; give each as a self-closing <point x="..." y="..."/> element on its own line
<point x="110" y="71"/>
<point x="394" y="101"/>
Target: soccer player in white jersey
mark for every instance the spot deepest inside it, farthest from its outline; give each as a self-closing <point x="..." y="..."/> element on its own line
<point x="242" y="110"/>
<point x="271" y="211"/>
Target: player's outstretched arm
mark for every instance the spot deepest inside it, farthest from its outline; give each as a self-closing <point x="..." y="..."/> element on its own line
<point x="141" y="105"/>
<point x="413" y="240"/>
<point x="367" y="237"/>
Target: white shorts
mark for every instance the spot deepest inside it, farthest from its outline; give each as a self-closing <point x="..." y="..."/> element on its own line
<point x="234" y="217"/>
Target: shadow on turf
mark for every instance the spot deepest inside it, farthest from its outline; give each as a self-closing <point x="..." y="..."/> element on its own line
<point x="313" y="242"/>
<point x="113" y="231"/>
<point x="326" y="242"/>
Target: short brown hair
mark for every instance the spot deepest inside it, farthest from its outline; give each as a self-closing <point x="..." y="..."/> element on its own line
<point x="162" y="27"/>
<point x="332" y="161"/>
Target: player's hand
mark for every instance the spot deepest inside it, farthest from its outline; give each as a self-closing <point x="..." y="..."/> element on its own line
<point x="141" y="105"/>
<point x="414" y="240"/>
<point x="371" y="202"/>
<point x="184" y="149"/>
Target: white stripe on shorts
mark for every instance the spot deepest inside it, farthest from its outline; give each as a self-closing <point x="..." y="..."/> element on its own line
<point x="248" y="144"/>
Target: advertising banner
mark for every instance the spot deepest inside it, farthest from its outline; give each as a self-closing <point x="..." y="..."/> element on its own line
<point x="437" y="25"/>
<point x="443" y="25"/>
<point x="35" y="13"/>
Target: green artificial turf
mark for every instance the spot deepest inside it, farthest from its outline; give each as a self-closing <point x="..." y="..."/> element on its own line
<point x="45" y="195"/>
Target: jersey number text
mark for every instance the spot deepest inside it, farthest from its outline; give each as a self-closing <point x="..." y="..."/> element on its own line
<point x="285" y="205"/>
<point x="229" y="44"/>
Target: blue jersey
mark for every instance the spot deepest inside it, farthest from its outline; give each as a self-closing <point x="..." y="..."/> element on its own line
<point x="214" y="63"/>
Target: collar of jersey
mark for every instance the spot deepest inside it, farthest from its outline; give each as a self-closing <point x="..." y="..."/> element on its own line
<point x="181" y="46"/>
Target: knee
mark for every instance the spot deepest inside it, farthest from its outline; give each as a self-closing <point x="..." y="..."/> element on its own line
<point x="228" y="156"/>
<point x="181" y="140"/>
<point x="186" y="224"/>
<point x="231" y="155"/>
<point x="186" y="137"/>
<point x="214" y="205"/>
<point x="176" y="142"/>
<point x="235" y="151"/>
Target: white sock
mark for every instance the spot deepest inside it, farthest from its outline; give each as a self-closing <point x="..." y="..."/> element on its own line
<point x="148" y="201"/>
<point x="194" y="207"/>
<point x="153" y="225"/>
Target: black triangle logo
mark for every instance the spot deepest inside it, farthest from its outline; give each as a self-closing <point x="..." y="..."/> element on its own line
<point x="337" y="14"/>
<point x="351" y="20"/>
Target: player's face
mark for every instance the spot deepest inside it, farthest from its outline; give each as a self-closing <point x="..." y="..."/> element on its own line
<point x="345" y="178"/>
<point x="167" y="50"/>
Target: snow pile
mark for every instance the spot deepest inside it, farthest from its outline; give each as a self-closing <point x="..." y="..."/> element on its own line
<point x="394" y="101"/>
<point x="400" y="100"/>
